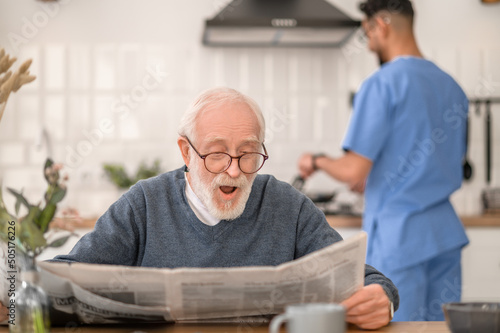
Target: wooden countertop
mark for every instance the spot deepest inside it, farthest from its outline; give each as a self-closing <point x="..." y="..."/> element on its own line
<point x="396" y="327"/>
<point x="487" y="220"/>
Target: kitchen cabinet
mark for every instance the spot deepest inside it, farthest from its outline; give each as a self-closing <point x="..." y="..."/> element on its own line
<point x="481" y="265"/>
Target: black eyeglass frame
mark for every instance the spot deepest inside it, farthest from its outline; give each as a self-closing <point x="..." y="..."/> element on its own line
<point x="203" y="157"/>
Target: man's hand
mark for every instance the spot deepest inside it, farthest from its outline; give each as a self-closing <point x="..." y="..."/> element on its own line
<point x="306" y="166"/>
<point x="4" y="312"/>
<point x="352" y="168"/>
<point x="358" y="187"/>
<point x="368" y="308"/>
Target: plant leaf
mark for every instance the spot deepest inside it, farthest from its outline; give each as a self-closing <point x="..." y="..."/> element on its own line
<point x="57" y="195"/>
<point x="5" y="216"/>
<point x="2" y="204"/>
<point x="20" y="198"/>
<point x="3" y="237"/>
<point x="48" y="164"/>
<point x="144" y="172"/>
<point x="33" y="214"/>
<point x="31" y="237"/>
<point x="46" y="216"/>
<point x="20" y="246"/>
<point x="117" y="174"/>
<point x="17" y="207"/>
<point x="60" y="241"/>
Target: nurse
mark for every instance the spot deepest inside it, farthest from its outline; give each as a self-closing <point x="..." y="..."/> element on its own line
<point x="404" y="149"/>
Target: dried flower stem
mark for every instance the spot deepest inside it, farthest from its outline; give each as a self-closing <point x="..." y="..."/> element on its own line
<point x="9" y="81"/>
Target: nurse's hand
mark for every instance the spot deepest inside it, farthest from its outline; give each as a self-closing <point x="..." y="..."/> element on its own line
<point x="368" y="308"/>
<point x="305" y="165"/>
<point x="358" y="187"/>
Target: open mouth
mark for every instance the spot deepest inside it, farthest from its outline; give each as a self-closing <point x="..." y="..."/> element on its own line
<point x="227" y="189"/>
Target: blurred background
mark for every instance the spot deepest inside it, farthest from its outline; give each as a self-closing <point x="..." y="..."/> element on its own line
<point x="115" y="76"/>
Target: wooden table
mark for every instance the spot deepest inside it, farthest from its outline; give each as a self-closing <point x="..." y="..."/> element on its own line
<point x="398" y="327"/>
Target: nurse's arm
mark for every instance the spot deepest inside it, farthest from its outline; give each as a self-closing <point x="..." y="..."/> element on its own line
<point x="351" y="168"/>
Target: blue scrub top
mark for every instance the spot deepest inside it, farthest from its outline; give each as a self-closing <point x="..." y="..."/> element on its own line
<point x="409" y="119"/>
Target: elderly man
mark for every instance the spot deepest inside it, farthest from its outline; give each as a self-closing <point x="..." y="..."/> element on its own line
<point x="217" y="212"/>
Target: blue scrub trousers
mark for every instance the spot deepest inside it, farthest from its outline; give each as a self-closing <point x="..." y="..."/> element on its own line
<point x="424" y="287"/>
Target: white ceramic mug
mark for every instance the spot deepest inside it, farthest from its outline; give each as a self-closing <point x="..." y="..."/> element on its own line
<point x="311" y="317"/>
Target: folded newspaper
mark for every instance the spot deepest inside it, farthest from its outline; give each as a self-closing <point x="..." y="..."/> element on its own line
<point x="90" y="293"/>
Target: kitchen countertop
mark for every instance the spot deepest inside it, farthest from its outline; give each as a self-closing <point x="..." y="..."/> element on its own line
<point x="346" y="221"/>
<point x="487" y="220"/>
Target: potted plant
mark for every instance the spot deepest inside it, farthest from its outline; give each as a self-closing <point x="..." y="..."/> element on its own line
<point x="117" y="174"/>
<point x="24" y="238"/>
<point x="32" y="231"/>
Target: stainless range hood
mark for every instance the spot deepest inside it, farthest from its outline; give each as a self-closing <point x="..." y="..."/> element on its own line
<point x="285" y="23"/>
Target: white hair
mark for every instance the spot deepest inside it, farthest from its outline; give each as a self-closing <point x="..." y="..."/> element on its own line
<point x="212" y="98"/>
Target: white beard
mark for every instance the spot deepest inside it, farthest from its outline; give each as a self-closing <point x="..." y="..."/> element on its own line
<point x="205" y="192"/>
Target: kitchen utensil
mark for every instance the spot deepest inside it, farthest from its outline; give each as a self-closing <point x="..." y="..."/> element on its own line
<point x="316" y="197"/>
<point x="472" y="317"/>
<point x="298" y="183"/>
<point x="488" y="142"/>
<point x="490" y="196"/>
<point x="491" y="200"/>
<point x="467" y="167"/>
<point x="319" y="197"/>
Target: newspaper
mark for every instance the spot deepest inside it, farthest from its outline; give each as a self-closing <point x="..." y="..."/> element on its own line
<point x="90" y="293"/>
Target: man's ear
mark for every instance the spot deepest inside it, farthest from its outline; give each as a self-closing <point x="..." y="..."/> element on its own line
<point x="383" y="22"/>
<point x="184" y="147"/>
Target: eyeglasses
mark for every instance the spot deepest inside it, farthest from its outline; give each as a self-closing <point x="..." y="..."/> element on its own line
<point x="218" y="162"/>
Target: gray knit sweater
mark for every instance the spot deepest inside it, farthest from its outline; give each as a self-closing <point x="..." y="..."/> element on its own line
<point x="153" y="225"/>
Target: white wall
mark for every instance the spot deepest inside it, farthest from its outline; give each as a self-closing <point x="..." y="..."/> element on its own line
<point x="88" y="55"/>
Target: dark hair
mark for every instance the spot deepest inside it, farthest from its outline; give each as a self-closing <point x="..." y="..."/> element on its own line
<point x="372" y="7"/>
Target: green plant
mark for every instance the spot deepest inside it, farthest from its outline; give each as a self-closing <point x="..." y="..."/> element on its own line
<point x="117" y="175"/>
<point x="29" y="233"/>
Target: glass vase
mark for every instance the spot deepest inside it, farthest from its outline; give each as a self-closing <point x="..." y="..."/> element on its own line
<point x="31" y="303"/>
